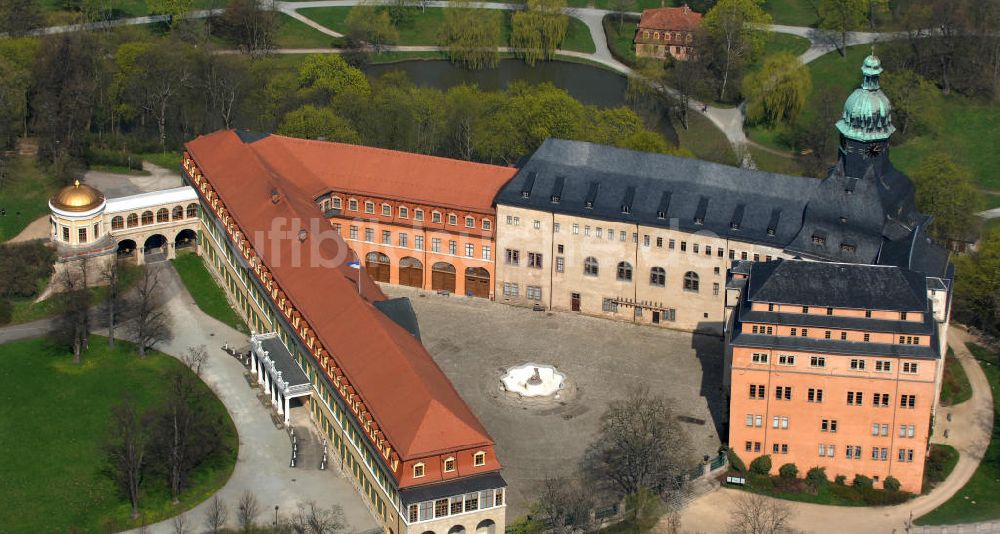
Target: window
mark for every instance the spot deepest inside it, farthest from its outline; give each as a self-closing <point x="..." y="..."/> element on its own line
<point x="815" y="395"/>
<point x="786" y="359"/>
<point x="555" y="228"/>
<point x="827" y="334"/>
<point x="828" y="425"/>
<point x="576" y="229"/>
<point x="624" y="273"/>
<point x="403" y="240"/>
<point x="81" y="234"/>
<point x="690" y="281"/>
<point x="470" y="222"/>
<point x="695" y="248"/>
<point x="436" y="217"/>
<point x="479" y="459"/>
<point x="533" y="292"/>
<point x="907" y="401"/>
<point x="352" y="204"/>
<point x="880" y="399"/>
<point x="441" y="505"/>
<point x="843" y="336"/>
<point x="805" y="332"/>
<point x="857" y="364"/>
<point x="905" y="455"/>
<point x="452" y="247"/>
<point x="560" y="264"/>
<point x="435" y="244"/>
<point x="590" y="266"/>
<point x="909" y="368"/>
<point x="369" y="207"/>
<point x="749" y="419"/>
<point x="487" y="252"/>
<point x="354" y="232"/>
<point x="759" y="357"/>
<point x="117" y="222"/>
<point x="386" y="237"/>
<point x="671" y="243"/>
<point x="418" y="214"/>
<point x="404" y="212"/>
<point x="487" y="225"/>
<point x="369" y="235"/>
<point x="470" y="250"/>
<point x="854" y="398"/>
<point x="907" y="431"/>
<point x="883" y="365"/>
<point x="867" y="337"/>
<point x="510" y="289"/>
<point x="512" y="257"/>
<point x="418" y="242"/>
<point x="586" y="230"/>
<point x="757" y="391"/>
<point x="147" y="217"/>
<point x="902" y="316"/>
<point x="783" y="393"/>
<point x="386" y="210"/>
<point x="609" y="305"/>
<point x="418" y="470"/>
<point x="337" y="203"/>
<point x="817" y="361"/>
<point x="535" y="260"/>
<point x="449" y="465"/>
<point x="452" y="219"/>
<point x="715" y="288"/>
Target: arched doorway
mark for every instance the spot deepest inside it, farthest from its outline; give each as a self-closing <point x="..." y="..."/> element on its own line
<point x="486" y="526"/>
<point x="377" y="265"/>
<point x="155" y="248"/>
<point x="126" y="249"/>
<point x="411" y="272"/>
<point x="186" y="238"/>
<point x="477" y="282"/>
<point x="443" y="277"/>
<point x="457" y="529"/>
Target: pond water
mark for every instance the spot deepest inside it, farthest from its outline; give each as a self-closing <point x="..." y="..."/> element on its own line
<point x="590" y="85"/>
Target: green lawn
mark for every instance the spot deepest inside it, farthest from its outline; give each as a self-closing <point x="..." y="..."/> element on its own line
<point x="793" y="12"/>
<point x="766" y="161"/>
<point x="578" y="38"/>
<point x="422" y="29"/>
<point x="621" y="41"/>
<point x="977" y="500"/>
<point x="638" y="6"/>
<point x="207" y="294"/>
<point x="955" y="387"/>
<point x="57" y="418"/>
<point x="168" y="160"/>
<point x="24" y="195"/>
<point x="55" y="9"/>
<point x="942" y="461"/>
<point x="296" y="34"/>
<point x="705" y="140"/>
<point x="783" y="42"/>
<point x="25" y="310"/>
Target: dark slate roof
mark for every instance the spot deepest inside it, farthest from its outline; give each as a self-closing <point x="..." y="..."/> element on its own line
<point x="291" y="373"/>
<point x="452" y="487"/>
<point x="829" y="322"/>
<point x="830" y="346"/>
<point x="614" y="184"/>
<point x="918" y="253"/>
<point x="400" y="310"/>
<point x="838" y="285"/>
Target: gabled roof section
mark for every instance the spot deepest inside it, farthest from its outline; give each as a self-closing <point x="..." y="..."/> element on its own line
<point x="395" y="376"/>
<point x="670" y="18"/>
<point x="838" y="285"/>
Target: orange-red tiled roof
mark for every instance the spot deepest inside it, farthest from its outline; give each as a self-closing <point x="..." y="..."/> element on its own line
<point x="408" y="395"/>
<point x="385" y="173"/>
<point x="670" y="18"/>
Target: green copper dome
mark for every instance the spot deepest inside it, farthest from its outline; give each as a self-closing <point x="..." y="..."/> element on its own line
<point x="866" y="112"/>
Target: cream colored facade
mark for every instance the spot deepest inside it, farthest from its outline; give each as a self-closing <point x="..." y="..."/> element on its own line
<point x="688" y="294"/>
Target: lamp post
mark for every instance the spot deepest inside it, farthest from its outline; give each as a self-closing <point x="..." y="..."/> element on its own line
<point x="276" y="516"/>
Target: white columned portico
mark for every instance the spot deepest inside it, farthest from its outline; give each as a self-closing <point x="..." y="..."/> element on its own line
<point x="278" y="372"/>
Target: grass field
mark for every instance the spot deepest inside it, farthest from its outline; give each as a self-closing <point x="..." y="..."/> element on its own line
<point x="705" y="140"/>
<point x="637" y="6"/>
<point x="977" y="500"/>
<point x="24" y="195"/>
<point x="621" y="41"/>
<point x="53" y="469"/>
<point x="955" y="387"/>
<point x="56" y="12"/>
<point x="793" y="12"/>
<point x="766" y="161"/>
<point x="207" y="294"/>
<point x="296" y="34"/>
<point x="422" y="29"/>
<point x="783" y="42"/>
<point x="578" y="37"/>
<point x="168" y="160"/>
<point x="25" y="310"/>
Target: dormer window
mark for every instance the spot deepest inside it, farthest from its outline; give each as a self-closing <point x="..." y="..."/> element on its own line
<point x="418" y="470"/>
<point x="555" y="199"/>
<point x="418" y="214"/>
<point x="479" y="459"/>
<point x="436" y="217"/>
<point x="337" y="203"/>
<point x="369" y="207"/>
<point x="449" y="465"/>
<point x="699" y="220"/>
<point x="626" y="209"/>
<point x="661" y="215"/>
<point x="770" y="231"/>
<point x="818" y="240"/>
<point x="452" y="219"/>
<point x="470" y="222"/>
<point x="487" y="225"/>
<point x="352" y="205"/>
<point x="404" y="212"/>
<point x="525" y="194"/>
<point x="846" y="247"/>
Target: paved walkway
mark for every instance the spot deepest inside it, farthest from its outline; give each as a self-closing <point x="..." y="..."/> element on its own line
<point x="988" y="214"/>
<point x="969" y="431"/>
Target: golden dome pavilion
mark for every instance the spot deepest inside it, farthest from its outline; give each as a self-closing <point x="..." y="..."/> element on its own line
<point x="77" y="198"/>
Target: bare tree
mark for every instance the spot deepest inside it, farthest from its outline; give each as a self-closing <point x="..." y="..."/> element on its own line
<point x="565" y="505"/>
<point x="226" y="79"/>
<point x="195" y="358"/>
<point x="756" y="514"/>
<point x="150" y="324"/>
<point x="216" y="515"/>
<point x="126" y="449"/>
<point x="310" y="518"/>
<point x="253" y="25"/>
<point x="180" y="524"/>
<point x="111" y="275"/>
<point x="247" y="510"/>
<point x="641" y="445"/>
<point x="73" y="323"/>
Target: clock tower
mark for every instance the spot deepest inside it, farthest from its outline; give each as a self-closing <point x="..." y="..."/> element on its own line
<point x="866" y="125"/>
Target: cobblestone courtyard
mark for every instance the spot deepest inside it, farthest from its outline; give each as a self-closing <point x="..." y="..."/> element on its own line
<point x="474" y="339"/>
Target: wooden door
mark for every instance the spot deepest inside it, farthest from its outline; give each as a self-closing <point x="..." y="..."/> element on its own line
<point x="574" y="302"/>
<point x="477" y="282"/>
<point x="442" y="281"/>
<point x="656" y="317"/>
<point x="411" y="276"/>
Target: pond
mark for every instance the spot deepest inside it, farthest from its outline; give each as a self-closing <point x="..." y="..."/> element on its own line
<point x="588" y="84"/>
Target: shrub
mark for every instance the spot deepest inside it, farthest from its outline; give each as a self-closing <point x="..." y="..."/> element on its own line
<point x="816" y="477"/>
<point x="6" y="310"/>
<point x="761" y="465"/>
<point x="862" y="482"/>
<point x="840" y="480"/>
<point x="891" y="484"/>
<point x="24" y="267"/>
<point x="788" y="471"/>
<point x="735" y="462"/>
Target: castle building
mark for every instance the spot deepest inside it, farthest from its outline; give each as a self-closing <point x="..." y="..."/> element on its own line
<point x="327" y="337"/>
<point x="667" y="31"/>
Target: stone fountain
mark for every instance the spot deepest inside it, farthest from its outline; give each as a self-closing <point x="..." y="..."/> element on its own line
<point x="531" y="380"/>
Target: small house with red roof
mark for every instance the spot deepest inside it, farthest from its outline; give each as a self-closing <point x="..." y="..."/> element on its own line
<point x="667" y="30"/>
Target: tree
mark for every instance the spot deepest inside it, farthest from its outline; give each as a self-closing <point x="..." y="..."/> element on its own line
<point x="947" y="191"/>
<point x="111" y="275"/>
<point x="252" y="25"/>
<point x="761" y="465"/>
<point x="757" y="514"/>
<point x="734" y="29"/>
<point x="538" y="30"/>
<point x="225" y="80"/>
<point x="842" y="16"/>
<point x="977" y="284"/>
<point x="310" y="518"/>
<point x="73" y="323"/>
<point x="371" y="24"/>
<point x="813" y="138"/>
<point x="619" y="8"/>
<point x="778" y="91"/>
<point x="180" y="523"/>
<point x="158" y="75"/>
<point x="126" y="449"/>
<point x="472" y="36"/>
<point x="916" y="101"/>
<point x="330" y="73"/>
<point x="172" y="8"/>
<point x="149" y="324"/>
<point x="788" y="471"/>
<point x="23" y="266"/>
<point x="247" y="510"/>
<point x="640" y="445"/>
<point x="565" y="505"/>
<point x="465" y="110"/>
<point x="16" y="58"/>
<point x="310" y="122"/>
<point x="19" y="16"/>
<point x="216" y="515"/>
